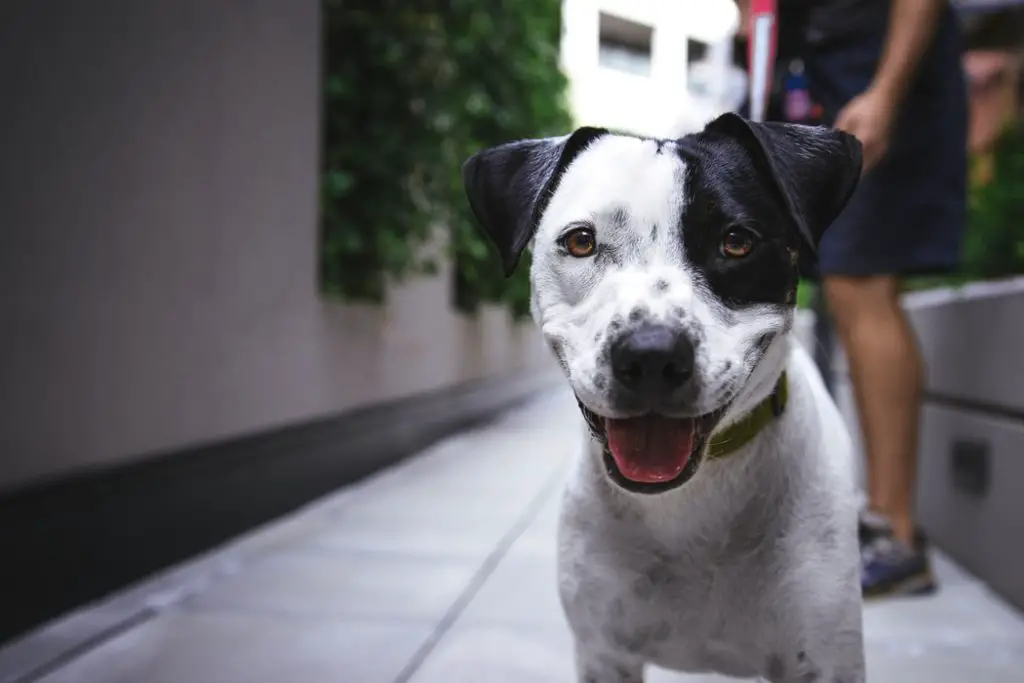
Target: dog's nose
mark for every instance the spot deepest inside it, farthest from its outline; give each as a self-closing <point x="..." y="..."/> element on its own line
<point x="653" y="361"/>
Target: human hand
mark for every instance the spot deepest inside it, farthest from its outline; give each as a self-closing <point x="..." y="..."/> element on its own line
<point x="869" y="118"/>
<point x="746" y="17"/>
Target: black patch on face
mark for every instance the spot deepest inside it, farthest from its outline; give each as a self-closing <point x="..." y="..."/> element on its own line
<point x="787" y="183"/>
<point x="724" y="191"/>
<point x="661" y="286"/>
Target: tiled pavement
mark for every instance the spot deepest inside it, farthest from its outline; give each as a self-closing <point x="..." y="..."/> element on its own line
<point x="438" y="571"/>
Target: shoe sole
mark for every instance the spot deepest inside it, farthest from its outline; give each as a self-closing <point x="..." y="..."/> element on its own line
<point x="915" y="586"/>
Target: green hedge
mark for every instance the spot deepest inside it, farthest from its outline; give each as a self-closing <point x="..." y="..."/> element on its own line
<point x="994" y="245"/>
<point x="994" y="242"/>
<point x="412" y="89"/>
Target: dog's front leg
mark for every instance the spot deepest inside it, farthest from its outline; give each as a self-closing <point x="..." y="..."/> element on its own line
<point x="837" y="665"/>
<point x="607" y="667"/>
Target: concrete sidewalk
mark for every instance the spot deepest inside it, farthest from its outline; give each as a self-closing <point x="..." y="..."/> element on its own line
<point x="438" y="571"/>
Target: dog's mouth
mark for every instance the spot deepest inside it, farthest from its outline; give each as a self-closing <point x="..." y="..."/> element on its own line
<point x="652" y="453"/>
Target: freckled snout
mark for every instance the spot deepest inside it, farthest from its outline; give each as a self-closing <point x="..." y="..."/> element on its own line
<point x="653" y="361"/>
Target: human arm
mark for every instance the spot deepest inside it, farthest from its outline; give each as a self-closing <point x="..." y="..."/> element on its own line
<point x="744" y="7"/>
<point x="870" y="115"/>
<point x="912" y="25"/>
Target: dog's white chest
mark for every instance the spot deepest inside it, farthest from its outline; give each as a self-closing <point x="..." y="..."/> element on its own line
<point x="687" y="612"/>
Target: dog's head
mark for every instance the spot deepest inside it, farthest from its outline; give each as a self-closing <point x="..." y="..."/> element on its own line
<point x="664" y="271"/>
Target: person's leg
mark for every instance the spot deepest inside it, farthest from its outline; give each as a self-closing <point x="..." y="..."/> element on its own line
<point x="908" y="215"/>
<point x="886" y="374"/>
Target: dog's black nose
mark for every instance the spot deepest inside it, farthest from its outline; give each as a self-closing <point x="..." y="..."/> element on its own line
<point x="653" y="361"/>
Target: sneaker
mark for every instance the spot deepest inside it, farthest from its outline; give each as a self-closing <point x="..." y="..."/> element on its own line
<point x="869" y="525"/>
<point x="888" y="566"/>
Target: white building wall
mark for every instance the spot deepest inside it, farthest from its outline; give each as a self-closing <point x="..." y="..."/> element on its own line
<point x="657" y="104"/>
<point x="159" y="236"/>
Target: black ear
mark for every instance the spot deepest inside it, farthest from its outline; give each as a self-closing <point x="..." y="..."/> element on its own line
<point x="509" y="186"/>
<point x="814" y="169"/>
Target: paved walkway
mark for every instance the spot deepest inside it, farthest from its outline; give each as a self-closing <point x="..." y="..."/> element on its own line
<point x="438" y="571"/>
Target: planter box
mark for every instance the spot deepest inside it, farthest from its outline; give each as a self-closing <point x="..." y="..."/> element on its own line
<point x="972" y="339"/>
<point x="970" y="481"/>
<point x="971" y="459"/>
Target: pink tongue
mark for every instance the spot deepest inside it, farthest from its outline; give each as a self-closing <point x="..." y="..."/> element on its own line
<point x="650" y="449"/>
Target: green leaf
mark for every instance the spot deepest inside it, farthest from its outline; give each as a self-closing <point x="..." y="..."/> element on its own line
<point x="410" y="91"/>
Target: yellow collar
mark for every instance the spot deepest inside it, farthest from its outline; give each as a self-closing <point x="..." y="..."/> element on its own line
<point x="743" y="432"/>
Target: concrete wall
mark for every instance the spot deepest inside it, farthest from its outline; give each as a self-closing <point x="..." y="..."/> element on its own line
<point x="158" y="240"/>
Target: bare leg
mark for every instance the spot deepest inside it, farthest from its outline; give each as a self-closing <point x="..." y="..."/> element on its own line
<point x="887" y="375"/>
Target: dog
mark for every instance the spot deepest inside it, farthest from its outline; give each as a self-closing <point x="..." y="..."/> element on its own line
<point x="710" y="524"/>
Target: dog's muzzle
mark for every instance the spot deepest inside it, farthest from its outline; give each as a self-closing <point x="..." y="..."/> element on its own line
<point x="659" y="444"/>
<point x="652" y="364"/>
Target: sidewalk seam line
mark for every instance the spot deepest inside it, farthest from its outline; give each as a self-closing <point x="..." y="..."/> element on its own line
<point x="487" y="568"/>
<point x="83" y="648"/>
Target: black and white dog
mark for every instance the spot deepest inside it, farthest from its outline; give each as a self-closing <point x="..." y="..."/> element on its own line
<point x="710" y="526"/>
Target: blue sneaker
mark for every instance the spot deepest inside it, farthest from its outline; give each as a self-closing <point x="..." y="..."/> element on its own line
<point x="888" y="566"/>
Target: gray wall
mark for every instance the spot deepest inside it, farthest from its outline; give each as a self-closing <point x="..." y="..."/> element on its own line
<point x="158" y="185"/>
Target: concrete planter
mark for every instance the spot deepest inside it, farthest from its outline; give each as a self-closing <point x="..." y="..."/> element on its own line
<point x="971" y="458"/>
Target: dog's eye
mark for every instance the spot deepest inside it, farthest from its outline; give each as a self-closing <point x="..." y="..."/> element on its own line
<point x="580" y="242"/>
<point x="738" y="242"/>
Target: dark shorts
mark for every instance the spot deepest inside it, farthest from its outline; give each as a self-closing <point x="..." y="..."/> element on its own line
<point x="908" y="214"/>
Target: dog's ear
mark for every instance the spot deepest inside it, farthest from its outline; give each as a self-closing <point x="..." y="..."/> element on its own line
<point x="814" y="169"/>
<point x="509" y="186"/>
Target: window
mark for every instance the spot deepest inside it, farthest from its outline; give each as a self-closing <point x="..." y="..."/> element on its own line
<point x="624" y="45"/>
<point x="696" y="50"/>
<point x="739" y="52"/>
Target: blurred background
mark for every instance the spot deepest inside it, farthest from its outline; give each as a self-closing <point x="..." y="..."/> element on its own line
<point x="237" y="272"/>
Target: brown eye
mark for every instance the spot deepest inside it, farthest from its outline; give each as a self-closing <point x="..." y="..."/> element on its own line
<point x="738" y="242"/>
<point x="580" y="242"/>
